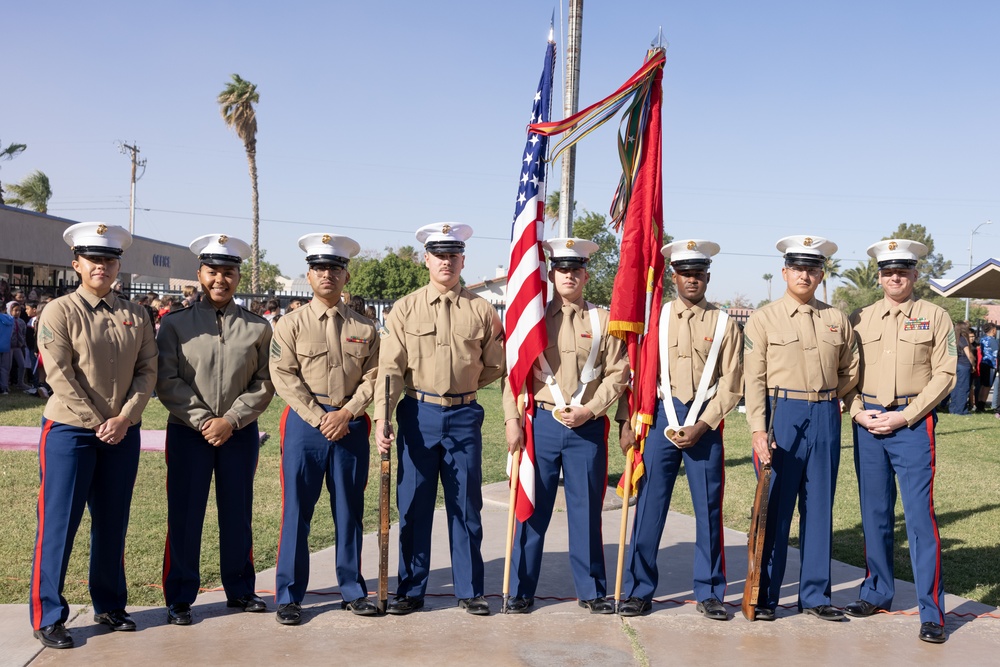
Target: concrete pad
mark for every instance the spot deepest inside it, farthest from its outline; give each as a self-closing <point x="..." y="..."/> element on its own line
<point x="556" y="632"/>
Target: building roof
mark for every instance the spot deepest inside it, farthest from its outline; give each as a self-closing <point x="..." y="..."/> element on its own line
<point x="982" y="282"/>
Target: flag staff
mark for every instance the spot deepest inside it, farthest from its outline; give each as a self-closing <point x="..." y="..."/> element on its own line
<point x="571" y="104"/>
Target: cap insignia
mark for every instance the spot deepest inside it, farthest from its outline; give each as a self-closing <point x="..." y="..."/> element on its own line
<point x="102" y="229"/>
<point x="892" y="245"/>
<point x="223" y="240"/>
<point x="808" y="241"/>
<point x="445" y="229"/>
<point x="570" y="243"/>
<point x="691" y="245"/>
<point x="326" y="238"/>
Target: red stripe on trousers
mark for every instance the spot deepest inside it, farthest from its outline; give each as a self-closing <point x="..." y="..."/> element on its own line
<point x="36" y="573"/>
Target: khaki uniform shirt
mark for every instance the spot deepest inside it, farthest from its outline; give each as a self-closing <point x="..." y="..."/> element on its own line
<point x="566" y="363"/>
<point x="728" y="370"/>
<point x="774" y="354"/>
<point x="322" y="356"/>
<point x="923" y="362"/>
<point x="213" y="363"/>
<point x="99" y="356"/>
<point x="409" y="345"/>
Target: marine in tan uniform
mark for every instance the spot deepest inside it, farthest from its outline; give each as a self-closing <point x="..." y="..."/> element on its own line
<point x="323" y="362"/>
<point x="908" y="358"/>
<point x="701" y="380"/>
<point x="808" y="350"/>
<point x="214" y="381"/>
<point x="100" y="355"/>
<point x="580" y="375"/>
<point x="441" y="344"/>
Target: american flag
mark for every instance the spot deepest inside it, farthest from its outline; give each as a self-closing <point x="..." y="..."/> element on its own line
<point x="525" y="315"/>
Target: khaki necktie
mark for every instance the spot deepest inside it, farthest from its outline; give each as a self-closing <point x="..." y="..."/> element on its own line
<point x="442" y="358"/>
<point x="810" y="349"/>
<point x="684" y="377"/>
<point x="335" y="353"/>
<point x="568" y="375"/>
<point x="886" y="393"/>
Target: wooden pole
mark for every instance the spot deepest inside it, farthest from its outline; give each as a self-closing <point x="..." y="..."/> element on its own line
<point x="626" y="493"/>
<point x="511" y="518"/>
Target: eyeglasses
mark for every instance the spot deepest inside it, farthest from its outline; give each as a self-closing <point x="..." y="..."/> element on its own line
<point x="812" y="271"/>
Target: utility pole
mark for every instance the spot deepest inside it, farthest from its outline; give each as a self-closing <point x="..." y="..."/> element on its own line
<point x="972" y="238"/>
<point x="134" y="151"/>
<point x="571" y="104"/>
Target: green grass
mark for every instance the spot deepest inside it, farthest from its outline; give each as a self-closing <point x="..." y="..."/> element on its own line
<point x="967" y="498"/>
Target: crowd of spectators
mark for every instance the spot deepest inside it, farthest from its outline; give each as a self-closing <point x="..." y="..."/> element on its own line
<point x="23" y="369"/>
<point x="976" y="370"/>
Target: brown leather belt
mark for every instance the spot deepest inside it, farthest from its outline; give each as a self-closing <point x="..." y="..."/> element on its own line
<point x="811" y="396"/>
<point x="444" y="401"/>
<point x="896" y="402"/>
<point x="326" y="400"/>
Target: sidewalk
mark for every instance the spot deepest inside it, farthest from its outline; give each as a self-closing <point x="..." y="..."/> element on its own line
<point x="558" y="632"/>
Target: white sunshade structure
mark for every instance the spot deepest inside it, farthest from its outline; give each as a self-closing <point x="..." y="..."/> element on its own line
<point x="982" y="282"/>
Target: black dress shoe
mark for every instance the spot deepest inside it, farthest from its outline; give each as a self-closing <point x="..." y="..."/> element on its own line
<point x="825" y="612"/>
<point x="54" y="636"/>
<point x="634" y="607"/>
<point x="360" y="607"/>
<point x="179" y="614"/>
<point x="862" y="609"/>
<point x="929" y="632"/>
<point x="289" y="614"/>
<point x="405" y="605"/>
<point x="477" y="606"/>
<point x="599" y="605"/>
<point x="520" y="605"/>
<point x="116" y="619"/>
<point x="763" y="614"/>
<point x="250" y="603"/>
<point x="713" y="609"/>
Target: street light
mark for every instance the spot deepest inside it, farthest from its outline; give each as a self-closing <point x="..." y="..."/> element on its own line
<point x="971" y="237"/>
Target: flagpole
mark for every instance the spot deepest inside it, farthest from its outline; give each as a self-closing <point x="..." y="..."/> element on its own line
<point x="626" y="493"/>
<point x="515" y="467"/>
<point x="571" y="104"/>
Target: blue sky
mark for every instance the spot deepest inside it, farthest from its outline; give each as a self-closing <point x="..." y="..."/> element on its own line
<point x="837" y="119"/>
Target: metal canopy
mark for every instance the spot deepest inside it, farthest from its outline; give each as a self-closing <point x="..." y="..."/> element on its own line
<point x="982" y="282"/>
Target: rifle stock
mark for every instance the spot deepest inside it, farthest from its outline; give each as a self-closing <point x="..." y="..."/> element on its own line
<point x="758" y="529"/>
<point x="383" y="515"/>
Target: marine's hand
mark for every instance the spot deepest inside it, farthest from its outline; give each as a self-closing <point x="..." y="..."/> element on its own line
<point x="515" y="435"/>
<point x="334" y="425"/>
<point x="383" y="443"/>
<point x="761" y="447"/>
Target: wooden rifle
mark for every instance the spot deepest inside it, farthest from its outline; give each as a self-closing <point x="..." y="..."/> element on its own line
<point x="758" y="528"/>
<point x="383" y="515"/>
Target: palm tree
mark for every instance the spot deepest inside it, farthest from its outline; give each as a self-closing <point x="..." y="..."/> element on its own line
<point x="34" y="192"/>
<point x="236" y="101"/>
<point x="831" y="269"/>
<point x="9" y="153"/>
<point x="864" y="276"/>
<point x="552" y="203"/>
<point x="767" y="279"/>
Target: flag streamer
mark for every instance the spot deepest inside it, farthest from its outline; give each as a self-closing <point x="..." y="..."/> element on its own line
<point x="637" y="212"/>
